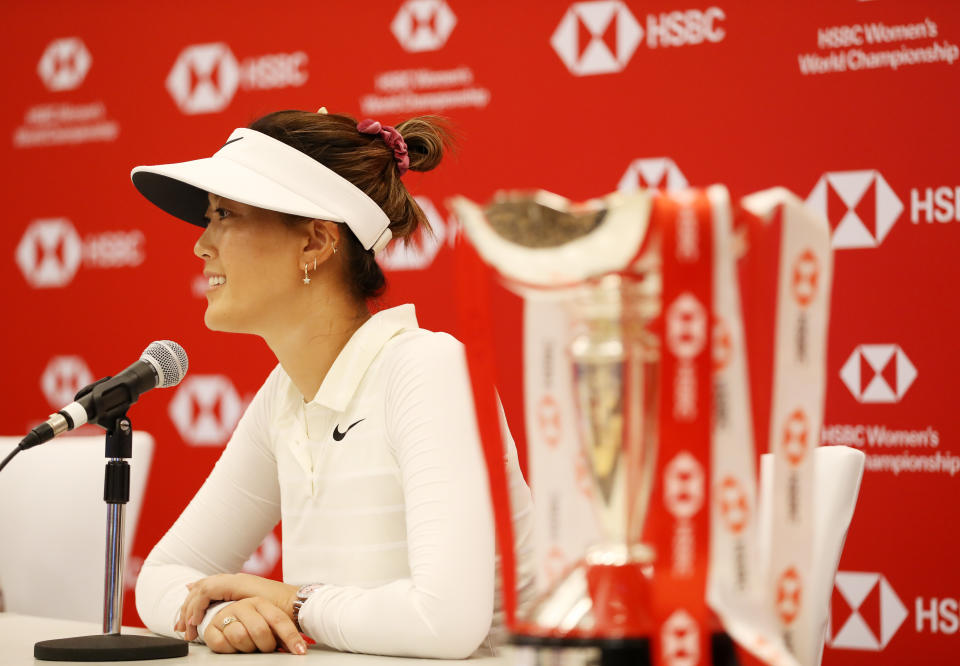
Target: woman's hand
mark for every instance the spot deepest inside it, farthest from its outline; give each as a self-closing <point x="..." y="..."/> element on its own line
<point x="258" y="625"/>
<point x="231" y="587"/>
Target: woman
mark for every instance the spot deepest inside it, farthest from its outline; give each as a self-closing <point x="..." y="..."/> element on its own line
<point x="363" y="439"/>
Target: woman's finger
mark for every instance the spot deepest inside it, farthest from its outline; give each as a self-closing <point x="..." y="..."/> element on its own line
<point x="257" y="628"/>
<point x="197" y="605"/>
<point x="239" y="638"/>
<point x="282" y="627"/>
<point x="216" y="641"/>
<point x="182" y="620"/>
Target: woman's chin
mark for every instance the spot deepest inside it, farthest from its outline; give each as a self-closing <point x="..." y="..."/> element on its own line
<point x="216" y="321"/>
<point x="213" y="321"/>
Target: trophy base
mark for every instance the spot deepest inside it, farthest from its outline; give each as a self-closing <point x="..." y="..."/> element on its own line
<point x="593" y="651"/>
<point x="607" y="593"/>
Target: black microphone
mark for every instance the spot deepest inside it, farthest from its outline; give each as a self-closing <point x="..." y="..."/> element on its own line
<point x="162" y="364"/>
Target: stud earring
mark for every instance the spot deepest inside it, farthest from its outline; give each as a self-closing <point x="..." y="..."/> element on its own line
<point x="306" y="278"/>
<point x="334" y="249"/>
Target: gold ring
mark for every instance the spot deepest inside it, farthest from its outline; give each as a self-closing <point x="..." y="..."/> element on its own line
<point x="227" y="620"/>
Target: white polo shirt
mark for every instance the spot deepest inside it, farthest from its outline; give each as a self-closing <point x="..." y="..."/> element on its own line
<point x="381" y="485"/>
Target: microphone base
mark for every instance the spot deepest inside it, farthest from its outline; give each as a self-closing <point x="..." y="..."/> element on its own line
<point x="110" y="647"/>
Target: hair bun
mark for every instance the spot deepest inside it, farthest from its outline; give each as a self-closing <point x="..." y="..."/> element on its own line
<point x="427" y="139"/>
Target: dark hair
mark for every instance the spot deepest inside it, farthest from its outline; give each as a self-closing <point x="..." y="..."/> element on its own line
<point x="367" y="162"/>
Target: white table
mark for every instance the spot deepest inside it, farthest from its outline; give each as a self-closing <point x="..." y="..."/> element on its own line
<point x="18" y="633"/>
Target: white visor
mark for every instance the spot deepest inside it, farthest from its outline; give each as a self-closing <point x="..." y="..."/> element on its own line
<point x="257" y="170"/>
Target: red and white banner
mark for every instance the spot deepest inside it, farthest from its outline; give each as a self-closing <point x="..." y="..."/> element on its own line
<point x="849" y="104"/>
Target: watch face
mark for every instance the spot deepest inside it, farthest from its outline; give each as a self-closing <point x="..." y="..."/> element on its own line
<point x="306" y="590"/>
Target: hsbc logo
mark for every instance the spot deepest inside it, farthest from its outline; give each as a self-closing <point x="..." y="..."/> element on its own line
<point x="205" y="77"/>
<point x="686" y="335"/>
<point x="734" y="506"/>
<point x="596" y="37"/>
<point x="51" y="251"/>
<point x="686" y="327"/>
<point x="789" y="595"/>
<point x="683" y="483"/>
<point x="549" y="420"/>
<point x="683" y="497"/>
<point x="652" y="173"/>
<point x="806" y="278"/>
<point x="680" y="640"/>
<point x="64" y="64"/>
<point x="422" y="248"/>
<point x="206" y="409"/>
<point x="859" y="205"/>
<point x="63" y="377"/>
<point x="600" y="37"/>
<point x="878" y="373"/>
<point x="722" y="345"/>
<point x="865" y="612"/>
<point x="796" y="437"/>
<point x="423" y="25"/>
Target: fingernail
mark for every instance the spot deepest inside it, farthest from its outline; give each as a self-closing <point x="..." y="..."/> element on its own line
<point x="301" y="648"/>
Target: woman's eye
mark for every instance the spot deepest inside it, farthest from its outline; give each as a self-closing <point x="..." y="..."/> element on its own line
<point x="222" y="212"/>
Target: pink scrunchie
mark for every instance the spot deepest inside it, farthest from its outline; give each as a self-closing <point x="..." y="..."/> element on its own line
<point x="392" y="138"/>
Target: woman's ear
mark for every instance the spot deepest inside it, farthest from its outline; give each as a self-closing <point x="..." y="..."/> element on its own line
<point x="322" y="242"/>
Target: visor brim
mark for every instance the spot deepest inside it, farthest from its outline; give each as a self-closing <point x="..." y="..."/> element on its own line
<point x="181" y="189"/>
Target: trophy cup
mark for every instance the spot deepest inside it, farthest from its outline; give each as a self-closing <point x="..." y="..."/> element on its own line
<point x="613" y="386"/>
<point x="610" y="293"/>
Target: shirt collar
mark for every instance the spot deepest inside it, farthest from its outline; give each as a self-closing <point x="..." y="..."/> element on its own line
<point x="343" y="378"/>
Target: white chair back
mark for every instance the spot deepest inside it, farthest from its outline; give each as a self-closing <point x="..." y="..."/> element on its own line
<point x="53" y="524"/>
<point x="838" y="471"/>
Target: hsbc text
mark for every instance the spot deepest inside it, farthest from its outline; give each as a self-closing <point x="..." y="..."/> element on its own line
<point x="682" y="28"/>
<point x="940" y="204"/>
<point x="938" y="616"/>
<point x="276" y="70"/>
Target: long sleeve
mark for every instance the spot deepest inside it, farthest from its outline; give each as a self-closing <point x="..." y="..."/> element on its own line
<point x="224" y="523"/>
<point x="444" y="609"/>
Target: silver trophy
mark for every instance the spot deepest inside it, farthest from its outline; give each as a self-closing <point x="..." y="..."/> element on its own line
<point x="594" y="260"/>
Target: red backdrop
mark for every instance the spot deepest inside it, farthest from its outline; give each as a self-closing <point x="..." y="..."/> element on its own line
<point x="852" y="105"/>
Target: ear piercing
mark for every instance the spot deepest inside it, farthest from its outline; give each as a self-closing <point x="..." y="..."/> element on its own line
<point x="306" y="276"/>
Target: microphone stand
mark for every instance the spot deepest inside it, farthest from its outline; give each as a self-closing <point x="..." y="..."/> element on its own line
<point x="111" y="645"/>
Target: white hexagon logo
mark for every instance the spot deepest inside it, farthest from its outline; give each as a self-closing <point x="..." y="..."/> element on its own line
<point x="686" y="326"/>
<point x="859" y="205"/>
<point x="680" y="639"/>
<point x="64" y="64"/>
<point x="204" y="78"/>
<point x="423" y="25"/>
<point x="62" y="378"/>
<point x="596" y="37"/>
<point x="865" y="612"/>
<point x="421" y="249"/>
<point x="49" y="253"/>
<point x="878" y="373"/>
<point x="653" y="173"/>
<point x="683" y="485"/>
<point x="206" y="409"/>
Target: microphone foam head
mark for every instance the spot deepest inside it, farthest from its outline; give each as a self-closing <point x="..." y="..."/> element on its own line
<point x="170" y="359"/>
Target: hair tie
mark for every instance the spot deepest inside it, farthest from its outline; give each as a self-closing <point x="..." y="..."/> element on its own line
<point x="392" y="138"/>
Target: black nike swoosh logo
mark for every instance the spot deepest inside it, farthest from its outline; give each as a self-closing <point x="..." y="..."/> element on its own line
<point x="337" y="435"/>
<point x="229" y="142"/>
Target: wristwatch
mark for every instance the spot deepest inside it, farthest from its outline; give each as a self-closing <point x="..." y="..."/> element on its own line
<point x="302" y="595"/>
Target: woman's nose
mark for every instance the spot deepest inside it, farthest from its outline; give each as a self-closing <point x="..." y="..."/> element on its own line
<point x="203" y="247"/>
